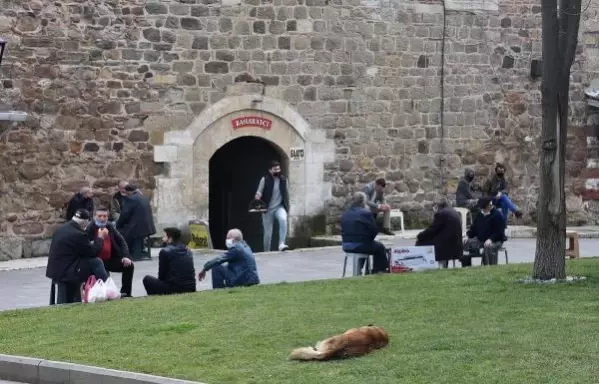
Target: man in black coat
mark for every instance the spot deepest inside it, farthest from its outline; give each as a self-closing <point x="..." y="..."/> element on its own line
<point x="114" y="252"/>
<point x="358" y="231"/>
<point x="73" y="258"/>
<point x="84" y="199"/>
<point x="176" y="272"/>
<point x="136" y="221"/>
<point x="445" y="233"/>
<point x="464" y="193"/>
<point x="486" y="232"/>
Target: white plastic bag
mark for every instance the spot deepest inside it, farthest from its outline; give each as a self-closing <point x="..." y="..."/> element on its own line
<point x="97" y="293"/>
<point x="112" y="292"/>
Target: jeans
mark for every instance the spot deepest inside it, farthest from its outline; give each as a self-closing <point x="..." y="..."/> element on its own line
<point x="378" y="252"/>
<point x="505" y="205"/>
<point x="94" y="266"/>
<point x="116" y="265"/>
<point x="135" y="246"/>
<point x="220" y="277"/>
<point x="490" y="254"/>
<point x="268" y="218"/>
<point x="154" y="286"/>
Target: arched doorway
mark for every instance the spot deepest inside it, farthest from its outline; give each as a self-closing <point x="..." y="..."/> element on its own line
<point x="235" y="170"/>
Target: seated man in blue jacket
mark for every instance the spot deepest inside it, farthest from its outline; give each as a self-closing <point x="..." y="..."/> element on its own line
<point x="487" y="232"/>
<point x="241" y="268"/>
<point x="358" y="230"/>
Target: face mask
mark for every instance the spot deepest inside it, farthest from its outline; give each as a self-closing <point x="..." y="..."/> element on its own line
<point x="229" y="243"/>
<point x="470" y="177"/>
<point x="276" y="174"/>
<point x="164" y="244"/>
<point x="500" y="173"/>
<point x="100" y="224"/>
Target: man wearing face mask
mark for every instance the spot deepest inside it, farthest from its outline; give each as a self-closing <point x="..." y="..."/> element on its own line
<point x="445" y="233"/>
<point x="116" y="204"/>
<point x="241" y="270"/>
<point x="497" y="189"/>
<point x="176" y="271"/>
<point x="114" y="252"/>
<point x="73" y="258"/>
<point x="84" y="199"/>
<point x="273" y="191"/>
<point x="487" y="232"/>
<point x="464" y="193"/>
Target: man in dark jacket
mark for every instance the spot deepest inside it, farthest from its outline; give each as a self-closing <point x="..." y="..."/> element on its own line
<point x="176" y="272"/>
<point x="136" y="221"/>
<point x="73" y="258"/>
<point x="358" y="230"/>
<point x="114" y="252"/>
<point x="487" y="232"/>
<point x="445" y="233"/>
<point x="241" y="268"/>
<point x="116" y="204"/>
<point x="273" y="190"/>
<point x="84" y="199"/>
<point x="496" y="188"/>
<point x="375" y="200"/>
<point x="464" y="193"/>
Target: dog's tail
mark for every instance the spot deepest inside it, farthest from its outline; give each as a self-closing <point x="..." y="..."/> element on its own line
<point x="306" y="353"/>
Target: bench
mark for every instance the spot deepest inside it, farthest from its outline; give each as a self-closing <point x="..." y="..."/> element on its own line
<point x="480" y="254"/>
<point x="573" y="250"/>
<point x="398" y="213"/>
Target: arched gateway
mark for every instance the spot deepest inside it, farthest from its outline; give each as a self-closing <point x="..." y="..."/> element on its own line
<point x="214" y="166"/>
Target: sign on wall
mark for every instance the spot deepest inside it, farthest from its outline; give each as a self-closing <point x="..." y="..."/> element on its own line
<point x="296" y="154"/>
<point x="251" y="121"/>
<point x="472" y="5"/>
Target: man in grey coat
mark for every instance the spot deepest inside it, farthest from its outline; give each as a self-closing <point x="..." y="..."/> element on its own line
<point x="375" y="199"/>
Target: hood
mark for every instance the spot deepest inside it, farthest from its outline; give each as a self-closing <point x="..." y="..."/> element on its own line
<point x="177" y="249"/>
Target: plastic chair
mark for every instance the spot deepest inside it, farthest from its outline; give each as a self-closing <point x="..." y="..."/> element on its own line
<point x="356" y="257"/>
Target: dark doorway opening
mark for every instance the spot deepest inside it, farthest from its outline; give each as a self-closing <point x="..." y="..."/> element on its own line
<point x="235" y="171"/>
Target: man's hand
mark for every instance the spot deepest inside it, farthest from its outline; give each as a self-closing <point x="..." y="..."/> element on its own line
<point x="127" y="261"/>
<point x="201" y="275"/>
<point x="258" y="196"/>
<point x="383" y="207"/>
<point x="488" y="243"/>
<point x="103" y="233"/>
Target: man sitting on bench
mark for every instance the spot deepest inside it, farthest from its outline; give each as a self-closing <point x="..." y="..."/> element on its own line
<point x="486" y="232"/>
<point x="358" y="230"/>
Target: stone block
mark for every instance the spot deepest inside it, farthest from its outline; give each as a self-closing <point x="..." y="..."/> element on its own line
<point x="11" y="248"/>
<point x="165" y="153"/>
<point x="22" y="369"/>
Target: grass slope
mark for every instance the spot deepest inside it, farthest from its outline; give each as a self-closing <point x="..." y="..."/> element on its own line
<point x="455" y="326"/>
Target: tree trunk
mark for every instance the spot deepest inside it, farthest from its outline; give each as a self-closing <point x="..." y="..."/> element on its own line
<point x="560" y="37"/>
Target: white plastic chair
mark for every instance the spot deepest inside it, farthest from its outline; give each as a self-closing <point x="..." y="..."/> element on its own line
<point x="356" y="257"/>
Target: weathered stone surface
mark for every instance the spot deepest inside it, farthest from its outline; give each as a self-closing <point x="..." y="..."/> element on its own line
<point x="11" y="247"/>
<point x="93" y="74"/>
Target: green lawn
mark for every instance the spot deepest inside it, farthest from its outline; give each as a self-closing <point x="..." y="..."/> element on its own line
<point x="456" y="326"/>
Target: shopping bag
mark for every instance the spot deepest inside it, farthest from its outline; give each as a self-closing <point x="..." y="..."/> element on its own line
<point x="91" y="281"/>
<point x="97" y="293"/>
<point x="112" y="292"/>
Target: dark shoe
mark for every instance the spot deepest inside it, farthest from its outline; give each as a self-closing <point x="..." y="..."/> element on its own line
<point x="518" y="214"/>
<point x="388" y="232"/>
<point x="125" y="296"/>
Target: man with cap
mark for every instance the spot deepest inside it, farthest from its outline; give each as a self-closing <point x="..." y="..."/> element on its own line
<point x="73" y="258"/>
<point x="486" y="232"/>
<point x="136" y="221"/>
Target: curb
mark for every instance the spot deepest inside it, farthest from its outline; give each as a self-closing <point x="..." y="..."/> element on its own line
<point x="34" y="371"/>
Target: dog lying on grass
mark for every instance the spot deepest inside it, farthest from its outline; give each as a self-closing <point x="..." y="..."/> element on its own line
<point x="353" y="343"/>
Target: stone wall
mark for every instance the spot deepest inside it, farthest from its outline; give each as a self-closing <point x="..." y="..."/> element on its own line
<point x="103" y="81"/>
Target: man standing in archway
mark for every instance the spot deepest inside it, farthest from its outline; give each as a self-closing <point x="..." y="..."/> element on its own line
<point x="273" y="191"/>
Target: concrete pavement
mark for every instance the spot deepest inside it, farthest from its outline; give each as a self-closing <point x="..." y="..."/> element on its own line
<point x="23" y="283"/>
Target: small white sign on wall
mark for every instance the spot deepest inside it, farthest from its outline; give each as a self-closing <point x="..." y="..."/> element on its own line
<point x="296" y="154"/>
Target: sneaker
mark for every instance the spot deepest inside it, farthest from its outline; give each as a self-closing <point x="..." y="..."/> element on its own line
<point x="387" y="232"/>
<point x="283" y="247"/>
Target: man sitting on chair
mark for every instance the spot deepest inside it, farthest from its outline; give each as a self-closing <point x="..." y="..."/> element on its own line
<point x="241" y="268"/>
<point x="487" y="232"/>
<point x="375" y="199"/>
<point x="358" y="230"/>
<point x="445" y="233"/>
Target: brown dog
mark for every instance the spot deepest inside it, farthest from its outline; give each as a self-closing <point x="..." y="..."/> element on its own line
<point x="353" y="343"/>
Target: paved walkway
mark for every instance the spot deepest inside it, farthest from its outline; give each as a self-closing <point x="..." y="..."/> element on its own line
<point x="23" y="283"/>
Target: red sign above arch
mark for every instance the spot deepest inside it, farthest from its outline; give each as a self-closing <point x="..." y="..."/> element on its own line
<point x="251" y="121"/>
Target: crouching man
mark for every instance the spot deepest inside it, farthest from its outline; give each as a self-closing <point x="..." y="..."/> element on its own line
<point x="176" y="272"/>
<point x="241" y="265"/>
<point x="73" y="258"/>
<point x="486" y="232"/>
<point x="114" y="252"/>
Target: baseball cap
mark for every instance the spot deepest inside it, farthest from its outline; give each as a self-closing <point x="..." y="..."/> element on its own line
<point x="83" y="214"/>
<point x="131" y="188"/>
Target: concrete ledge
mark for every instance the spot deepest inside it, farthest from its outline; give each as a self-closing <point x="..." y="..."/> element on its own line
<point x="38" y="371"/>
